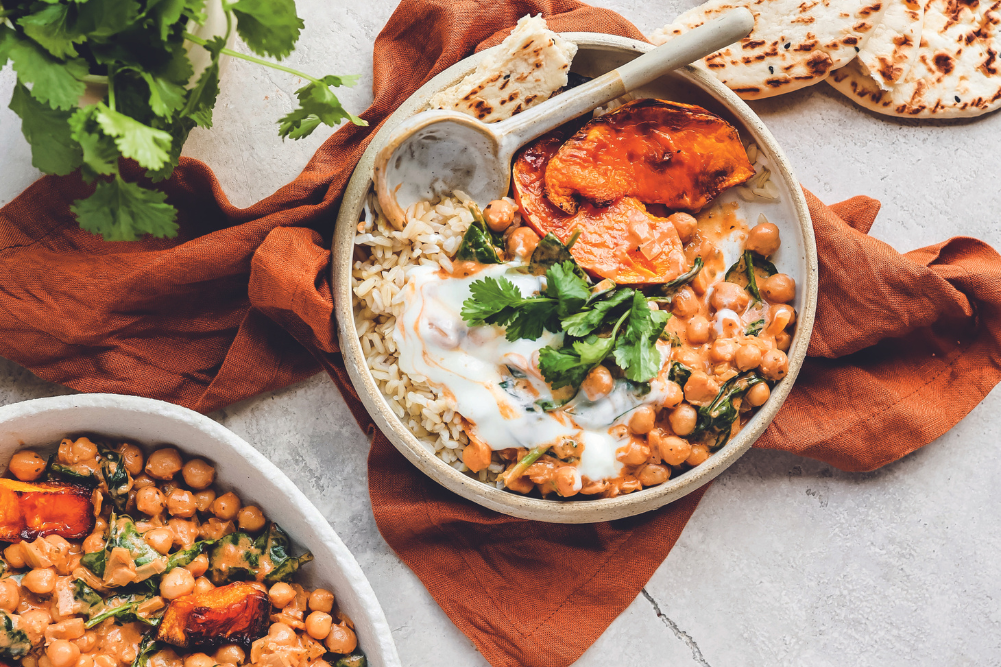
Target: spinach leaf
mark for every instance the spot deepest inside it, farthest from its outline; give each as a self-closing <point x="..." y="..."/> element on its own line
<point x="276" y="547"/>
<point x="147" y="648"/>
<point x="356" y="659"/>
<point x="63" y="473"/>
<point x="718" y="417"/>
<point x="123" y="609"/>
<point x="754" y="328"/>
<point x="746" y="265"/>
<point x="479" y="243"/>
<point x="13" y="643"/>
<point x="116" y="477"/>
<point x="89" y="600"/>
<point x="679" y="373"/>
<point x="122" y="533"/>
<point x="685" y="278"/>
<point x="671" y="338"/>
<point x="551" y="252"/>
<point x="185" y="556"/>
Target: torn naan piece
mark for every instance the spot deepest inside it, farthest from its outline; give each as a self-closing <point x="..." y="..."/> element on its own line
<point x="955" y="73"/>
<point x="794" y="44"/>
<point x="529" y="67"/>
<point x="893" y="46"/>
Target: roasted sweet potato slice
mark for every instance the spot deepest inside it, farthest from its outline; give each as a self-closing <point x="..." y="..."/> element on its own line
<point x="622" y="242"/>
<point x="29" y="510"/>
<point x="660" y="152"/>
<point x="234" y="614"/>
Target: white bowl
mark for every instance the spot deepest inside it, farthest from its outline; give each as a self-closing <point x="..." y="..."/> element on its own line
<point x="241" y="468"/>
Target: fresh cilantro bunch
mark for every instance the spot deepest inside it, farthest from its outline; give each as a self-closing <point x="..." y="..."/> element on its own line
<point x="133" y="52"/>
<point x="616" y="323"/>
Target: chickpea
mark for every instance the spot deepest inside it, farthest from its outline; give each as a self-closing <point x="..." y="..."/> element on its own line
<point x="199" y="660"/>
<point x="198" y="474"/>
<point x="72" y="628"/>
<point x="78" y="451"/>
<point x="673" y="450"/>
<point x="635" y="453"/>
<point x="341" y="639"/>
<point x="250" y="518"/>
<point x="14" y="556"/>
<point x="62" y="653"/>
<point x="214" y="529"/>
<point x="642" y="419"/>
<point x="700" y="388"/>
<point x="230" y="654"/>
<point x="181" y="503"/>
<point x="748" y="357"/>
<point x="163" y="464"/>
<point x="160" y="539"/>
<point x="41" y="581"/>
<point x="521" y="484"/>
<point x="499" y="214"/>
<point x="84" y="660"/>
<point x="132" y="456"/>
<point x="780" y="316"/>
<point x="783" y="340"/>
<point x="730" y="296"/>
<point x="204" y="500"/>
<point x="176" y="583"/>
<point x="318" y="625"/>
<point x="87" y="642"/>
<point x="281" y="594"/>
<point x="203" y="585"/>
<point x="522" y="242"/>
<point x="698" y="456"/>
<point x="683" y="419"/>
<point x="723" y="350"/>
<point x="685" y="304"/>
<point x="779" y="288"/>
<point x="150" y="501"/>
<point x="685" y="224"/>
<point x="226" y="506"/>
<point x="673" y="395"/>
<point x="95" y="542"/>
<point x="598" y="383"/>
<point x="758" y="394"/>
<point x="568" y="482"/>
<point x="142" y="481"/>
<point x="763" y="239"/>
<point x="774" y="365"/>
<point x="10" y="595"/>
<point x="281" y="634"/>
<point x="321" y="600"/>
<point x="653" y="474"/>
<point x="34" y="622"/>
<point x="698" y="330"/>
<point x="102" y="660"/>
<point x="199" y="566"/>
<point x="688" y="357"/>
<point x="185" y="531"/>
<point x="26" y="465"/>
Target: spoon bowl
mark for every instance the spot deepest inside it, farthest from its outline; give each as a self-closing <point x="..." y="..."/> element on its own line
<point x="436" y="153"/>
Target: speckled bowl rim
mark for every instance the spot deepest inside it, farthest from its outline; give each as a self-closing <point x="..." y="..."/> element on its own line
<point x="562" y="511"/>
<point x="20" y="421"/>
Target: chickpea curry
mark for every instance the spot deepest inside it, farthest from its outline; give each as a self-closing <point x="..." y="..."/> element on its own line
<point x="607" y="342"/>
<point x="119" y="559"/>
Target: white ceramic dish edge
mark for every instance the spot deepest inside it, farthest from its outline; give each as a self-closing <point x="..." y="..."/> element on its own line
<point x="43" y="422"/>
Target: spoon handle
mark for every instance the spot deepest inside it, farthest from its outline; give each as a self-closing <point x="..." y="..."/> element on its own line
<point x="689" y="47"/>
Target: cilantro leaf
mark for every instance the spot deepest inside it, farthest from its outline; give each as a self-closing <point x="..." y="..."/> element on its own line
<point x="165" y="96"/>
<point x="122" y="211"/>
<point x="531" y="318"/>
<point x="164" y="14"/>
<point x="105" y="18"/>
<point x="562" y="367"/>
<point x="586" y="321"/>
<point x="57" y="83"/>
<point x="593" y="350"/>
<point x="636" y="351"/>
<point x="491" y="301"/>
<point x="100" y="155"/>
<point x="195" y="9"/>
<point x="147" y="146"/>
<point x="269" y="27"/>
<point x="202" y="98"/>
<point x="569" y="289"/>
<point x="53" y="149"/>
<point x="50" y="28"/>
<point x="318" y="104"/>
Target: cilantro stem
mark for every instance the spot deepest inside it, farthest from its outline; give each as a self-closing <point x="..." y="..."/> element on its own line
<point x="111" y="89"/>
<point x="524" y="464"/>
<point x="243" y="56"/>
<point x="573" y="238"/>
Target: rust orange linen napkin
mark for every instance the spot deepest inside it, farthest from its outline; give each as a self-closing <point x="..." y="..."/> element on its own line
<point x="904" y="347"/>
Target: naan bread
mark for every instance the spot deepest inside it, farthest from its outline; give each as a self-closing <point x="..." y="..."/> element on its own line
<point x="794" y="44"/>
<point x="955" y="73"/>
<point x="530" y="66"/>
<point x="893" y="46"/>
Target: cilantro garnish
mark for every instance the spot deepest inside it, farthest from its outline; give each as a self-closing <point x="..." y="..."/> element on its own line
<point x="133" y="54"/>
<point x="618" y="324"/>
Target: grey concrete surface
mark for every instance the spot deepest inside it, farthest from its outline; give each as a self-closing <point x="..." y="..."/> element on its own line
<point x="787" y="561"/>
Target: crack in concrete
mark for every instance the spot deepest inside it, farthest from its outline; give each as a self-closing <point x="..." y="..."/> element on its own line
<point x="678" y="632"/>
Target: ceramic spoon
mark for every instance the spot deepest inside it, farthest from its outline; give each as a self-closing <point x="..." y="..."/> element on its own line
<point x="437" y="152"/>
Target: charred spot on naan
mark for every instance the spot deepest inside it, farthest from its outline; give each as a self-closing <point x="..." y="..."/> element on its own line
<point x="659" y="152"/>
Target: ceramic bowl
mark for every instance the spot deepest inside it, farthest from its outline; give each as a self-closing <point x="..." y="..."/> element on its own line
<point x="597" y="54"/>
<point x="42" y="423"/>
